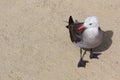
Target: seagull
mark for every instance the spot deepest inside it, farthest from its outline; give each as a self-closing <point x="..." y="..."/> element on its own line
<point x="87" y="34"/>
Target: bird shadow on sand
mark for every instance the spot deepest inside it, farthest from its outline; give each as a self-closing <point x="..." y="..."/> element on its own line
<point x="107" y="41"/>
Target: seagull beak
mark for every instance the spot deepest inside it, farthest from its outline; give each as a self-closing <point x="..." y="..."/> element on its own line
<point x="80" y="28"/>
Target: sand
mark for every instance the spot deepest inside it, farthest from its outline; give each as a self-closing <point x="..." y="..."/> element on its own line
<point x="35" y="45"/>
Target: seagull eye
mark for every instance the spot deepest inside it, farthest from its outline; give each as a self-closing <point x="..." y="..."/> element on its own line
<point x="90" y="24"/>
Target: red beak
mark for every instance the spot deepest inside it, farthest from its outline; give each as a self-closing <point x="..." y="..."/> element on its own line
<point x="80" y="28"/>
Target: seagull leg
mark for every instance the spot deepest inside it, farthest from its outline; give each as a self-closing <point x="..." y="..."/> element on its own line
<point x="84" y="54"/>
<point x="91" y="50"/>
<point x="81" y="59"/>
<point x="82" y="63"/>
<point x="80" y="52"/>
<point x="91" y="53"/>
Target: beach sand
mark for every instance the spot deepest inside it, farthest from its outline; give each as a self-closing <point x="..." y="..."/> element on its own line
<point x="35" y="44"/>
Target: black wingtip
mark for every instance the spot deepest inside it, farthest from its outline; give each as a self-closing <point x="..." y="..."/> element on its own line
<point x="70" y="17"/>
<point x="71" y="20"/>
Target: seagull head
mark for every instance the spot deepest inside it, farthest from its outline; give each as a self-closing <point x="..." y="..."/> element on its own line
<point x="90" y="22"/>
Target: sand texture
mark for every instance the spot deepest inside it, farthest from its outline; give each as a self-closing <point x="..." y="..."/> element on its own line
<point x="35" y="44"/>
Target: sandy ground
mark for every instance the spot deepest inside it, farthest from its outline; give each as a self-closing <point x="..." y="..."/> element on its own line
<point x="35" y="45"/>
